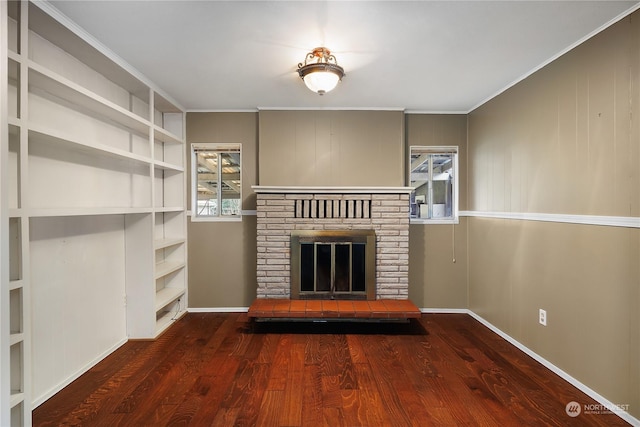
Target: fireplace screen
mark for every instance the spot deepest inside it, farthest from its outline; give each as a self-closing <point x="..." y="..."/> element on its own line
<point x="333" y="264"/>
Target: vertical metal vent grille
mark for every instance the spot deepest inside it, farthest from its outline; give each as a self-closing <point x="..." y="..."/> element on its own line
<point x="333" y="208"/>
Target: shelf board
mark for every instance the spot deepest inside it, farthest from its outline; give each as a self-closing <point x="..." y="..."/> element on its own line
<point x="48" y="81"/>
<point x="167" y="267"/>
<point x="168" y="166"/>
<point x="165" y="136"/>
<point x="16" y="338"/>
<point x="169" y="209"/>
<point x="14" y="124"/>
<point x="15" y="212"/>
<point x="14" y="56"/>
<point x="167" y="242"/>
<point x="15" y="284"/>
<point x="166" y="320"/>
<point x="166" y="296"/>
<point x="17" y="397"/>
<point x="85" y="211"/>
<point x="54" y="137"/>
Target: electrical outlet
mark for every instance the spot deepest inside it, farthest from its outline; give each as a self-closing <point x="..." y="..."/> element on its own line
<point x="542" y="317"/>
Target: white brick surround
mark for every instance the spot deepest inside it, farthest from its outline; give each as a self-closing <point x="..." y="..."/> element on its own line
<point x="382" y="209"/>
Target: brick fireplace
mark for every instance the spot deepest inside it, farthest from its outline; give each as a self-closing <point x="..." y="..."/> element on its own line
<point x="383" y="210"/>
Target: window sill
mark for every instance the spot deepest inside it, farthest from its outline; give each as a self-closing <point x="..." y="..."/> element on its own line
<point x="431" y="221"/>
<point x="237" y="218"/>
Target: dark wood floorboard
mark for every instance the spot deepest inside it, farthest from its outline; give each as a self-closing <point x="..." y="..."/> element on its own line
<point x="225" y="370"/>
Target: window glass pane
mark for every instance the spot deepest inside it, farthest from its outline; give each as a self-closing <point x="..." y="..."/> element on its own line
<point x="442" y="185"/>
<point x="207" y="183"/>
<point x="433" y="177"/>
<point x="230" y="168"/>
<point x="216" y="170"/>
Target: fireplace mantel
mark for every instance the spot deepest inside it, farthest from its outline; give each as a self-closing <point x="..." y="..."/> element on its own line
<point x="268" y="189"/>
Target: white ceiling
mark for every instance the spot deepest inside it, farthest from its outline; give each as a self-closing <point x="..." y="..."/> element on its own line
<point x="427" y="56"/>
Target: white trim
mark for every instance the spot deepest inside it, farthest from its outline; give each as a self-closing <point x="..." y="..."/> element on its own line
<point x="218" y="310"/>
<point x="331" y="109"/>
<point x="44" y="397"/>
<point x="444" y="311"/>
<point x="562" y="374"/>
<point x="612" y="221"/>
<point x="434" y="221"/>
<point x="329" y="190"/>
<point x="438" y="112"/>
<point x="238" y="110"/>
<point x="235" y="218"/>
<point x="558" y="55"/>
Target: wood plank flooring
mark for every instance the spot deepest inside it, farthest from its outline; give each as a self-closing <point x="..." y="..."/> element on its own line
<point x="224" y="370"/>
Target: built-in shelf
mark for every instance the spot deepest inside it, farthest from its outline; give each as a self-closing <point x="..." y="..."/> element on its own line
<point x="17" y="397"/>
<point x="167" y="242"/>
<point x="166" y="318"/>
<point x="166" y="136"/>
<point x="15" y="284"/>
<point x="169" y="209"/>
<point x="16" y="338"/>
<point x="95" y="168"/>
<point x="49" y="136"/>
<point x="83" y="99"/>
<point x="168" y="166"/>
<point x="14" y="56"/>
<point x="14" y="123"/>
<point x="86" y="211"/>
<point x="167" y="267"/>
<point x="166" y="296"/>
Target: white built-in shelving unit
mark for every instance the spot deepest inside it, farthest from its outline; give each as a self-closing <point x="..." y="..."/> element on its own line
<point x="93" y="206"/>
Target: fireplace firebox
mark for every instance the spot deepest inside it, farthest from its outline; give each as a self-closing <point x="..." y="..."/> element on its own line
<point x="333" y="264"/>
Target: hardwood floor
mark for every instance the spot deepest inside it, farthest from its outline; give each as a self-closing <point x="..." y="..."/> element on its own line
<point x="223" y="370"/>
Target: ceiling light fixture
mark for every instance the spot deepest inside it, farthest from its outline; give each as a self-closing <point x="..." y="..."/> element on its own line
<point x="323" y="75"/>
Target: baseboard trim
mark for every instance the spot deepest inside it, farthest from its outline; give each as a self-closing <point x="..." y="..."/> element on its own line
<point x="218" y="310"/>
<point x="606" y="403"/>
<point x="444" y="310"/>
<point x="43" y="398"/>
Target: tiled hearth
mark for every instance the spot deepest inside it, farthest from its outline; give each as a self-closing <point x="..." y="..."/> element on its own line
<point x="280" y="210"/>
<point x="378" y="310"/>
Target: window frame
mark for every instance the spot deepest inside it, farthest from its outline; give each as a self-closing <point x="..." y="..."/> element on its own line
<point x="426" y="149"/>
<point x="220" y="148"/>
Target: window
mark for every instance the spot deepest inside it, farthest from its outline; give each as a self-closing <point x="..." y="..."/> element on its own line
<point x="216" y="181"/>
<point x="434" y="178"/>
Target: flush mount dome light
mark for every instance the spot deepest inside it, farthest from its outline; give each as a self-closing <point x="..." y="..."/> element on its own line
<point x="323" y="75"/>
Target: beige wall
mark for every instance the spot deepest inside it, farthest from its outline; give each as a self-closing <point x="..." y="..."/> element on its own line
<point x="435" y="280"/>
<point x="332" y="148"/>
<point x="222" y="255"/>
<point x="564" y="141"/>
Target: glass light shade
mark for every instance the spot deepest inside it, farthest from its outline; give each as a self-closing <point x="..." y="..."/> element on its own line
<point x="321" y="82"/>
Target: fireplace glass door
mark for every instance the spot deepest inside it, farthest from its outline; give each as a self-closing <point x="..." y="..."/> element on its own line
<point x="333" y="266"/>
